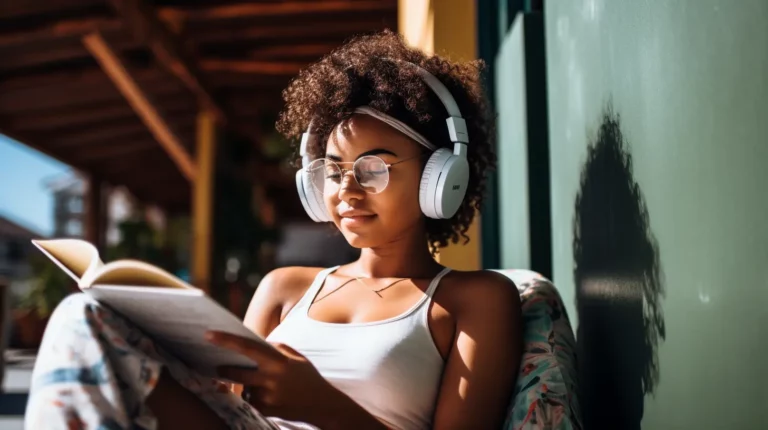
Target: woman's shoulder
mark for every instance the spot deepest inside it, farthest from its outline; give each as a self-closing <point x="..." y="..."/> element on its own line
<point x="277" y="293"/>
<point x="476" y="290"/>
<point x="289" y="281"/>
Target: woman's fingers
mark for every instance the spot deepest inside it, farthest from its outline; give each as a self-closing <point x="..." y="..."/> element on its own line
<point x="287" y="350"/>
<point x="263" y="354"/>
<point x="242" y="375"/>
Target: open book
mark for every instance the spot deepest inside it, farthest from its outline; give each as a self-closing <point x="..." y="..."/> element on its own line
<point x="173" y="313"/>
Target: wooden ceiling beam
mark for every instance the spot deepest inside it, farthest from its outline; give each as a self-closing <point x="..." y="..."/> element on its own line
<point x="266" y="84"/>
<point x="18" y="9"/>
<point x="294" y="31"/>
<point x="98" y="136"/>
<point x="141" y="165"/>
<point x="252" y="67"/>
<point x="70" y="95"/>
<point x="140" y="17"/>
<point x="251" y="101"/>
<point x="253" y="10"/>
<point x="93" y="115"/>
<point x="33" y="58"/>
<point x="288" y="51"/>
<point x="25" y="58"/>
<point x="66" y="28"/>
<point x="113" y="150"/>
<point x="84" y="75"/>
<point x="138" y="100"/>
<point x="106" y="134"/>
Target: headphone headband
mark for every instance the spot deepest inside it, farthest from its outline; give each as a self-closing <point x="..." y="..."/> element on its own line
<point x="440" y="90"/>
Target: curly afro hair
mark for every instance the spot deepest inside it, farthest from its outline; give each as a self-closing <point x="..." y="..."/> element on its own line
<point x="370" y="70"/>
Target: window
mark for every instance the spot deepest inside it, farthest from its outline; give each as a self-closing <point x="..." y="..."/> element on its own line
<point x="14" y="252"/>
<point x="74" y="228"/>
<point x="75" y="204"/>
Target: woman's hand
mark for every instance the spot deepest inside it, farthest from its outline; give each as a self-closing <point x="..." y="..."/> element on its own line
<point x="285" y="385"/>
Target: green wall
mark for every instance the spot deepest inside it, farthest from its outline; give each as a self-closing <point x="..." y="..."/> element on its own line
<point x="512" y="153"/>
<point x="668" y="281"/>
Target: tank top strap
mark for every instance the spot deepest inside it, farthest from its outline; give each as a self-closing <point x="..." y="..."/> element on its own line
<point x="314" y="288"/>
<point x="436" y="281"/>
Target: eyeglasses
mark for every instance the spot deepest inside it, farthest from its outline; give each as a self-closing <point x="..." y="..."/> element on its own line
<point x="370" y="172"/>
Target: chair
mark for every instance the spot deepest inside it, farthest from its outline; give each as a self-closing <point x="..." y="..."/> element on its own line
<point x="545" y="394"/>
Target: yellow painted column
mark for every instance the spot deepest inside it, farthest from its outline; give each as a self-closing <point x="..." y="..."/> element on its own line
<point x="448" y="28"/>
<point x="202" y="201"/>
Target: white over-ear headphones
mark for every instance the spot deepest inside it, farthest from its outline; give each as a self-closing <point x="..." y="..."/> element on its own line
<point x="445" y="177"/>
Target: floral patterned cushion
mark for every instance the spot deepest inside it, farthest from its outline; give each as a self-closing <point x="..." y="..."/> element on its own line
<point x="545" y="393"/>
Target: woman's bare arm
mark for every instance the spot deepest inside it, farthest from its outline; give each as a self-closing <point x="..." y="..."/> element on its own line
<point x="276" y="294"/>
<point x="281" y="288"/>
<point x="482" y="365"/>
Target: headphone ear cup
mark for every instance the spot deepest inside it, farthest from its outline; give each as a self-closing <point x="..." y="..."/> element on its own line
<point x="311" y="198"/>
<point x="428" y="188"/>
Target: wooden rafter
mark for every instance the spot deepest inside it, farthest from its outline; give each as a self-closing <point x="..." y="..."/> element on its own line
<point x="100" y="153"/>
<point x="100" y="136"/>
<point x="93" y="114"/>
<point x="251" y="10"/>
<point x="141" y="18"/>
<point x="66" y="28"/>
<point x="284" y="68"/>
<point x="18" y="9"/>
<point x="40" y="57"/>
<point x="139" y="164"/>
<point x="69" y="89"/>
<point x="114" y="68"/>
<point x="277" y="51"/>
<point x="52" y="79"/>
<point x="332" y="28"/>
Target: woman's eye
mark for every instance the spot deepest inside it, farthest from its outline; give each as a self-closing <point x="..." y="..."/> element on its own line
<point x="333" y="176"/>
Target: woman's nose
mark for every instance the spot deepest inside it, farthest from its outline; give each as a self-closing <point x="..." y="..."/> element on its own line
<point x="349" y="188"/>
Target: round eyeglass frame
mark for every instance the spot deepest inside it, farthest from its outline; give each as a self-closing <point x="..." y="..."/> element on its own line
<point x="321" y="163"/>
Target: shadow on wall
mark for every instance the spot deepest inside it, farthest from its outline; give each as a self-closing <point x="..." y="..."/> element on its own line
<point x="619" y="286"/>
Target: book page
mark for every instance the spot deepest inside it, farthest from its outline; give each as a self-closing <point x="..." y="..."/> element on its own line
<point x="76" y="257"/>
<point x="133" y="272"/>
<point x="177" y="320"/>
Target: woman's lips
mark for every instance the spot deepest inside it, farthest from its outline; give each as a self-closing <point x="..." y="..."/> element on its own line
<point x="356" y="220"/>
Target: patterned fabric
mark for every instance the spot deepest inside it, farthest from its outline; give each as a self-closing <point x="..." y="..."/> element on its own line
<point x="95" y="371"/>
<point x="545" y="393"/>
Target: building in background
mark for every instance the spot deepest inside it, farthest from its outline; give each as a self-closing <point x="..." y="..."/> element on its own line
<point x="68" y="204"/>
<point x="15" y="248"/>
<point x="69" y="191"/>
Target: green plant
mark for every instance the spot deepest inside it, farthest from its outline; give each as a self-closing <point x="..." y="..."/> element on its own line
<point x="139" y="240"/>
<point x="49" y="287"/>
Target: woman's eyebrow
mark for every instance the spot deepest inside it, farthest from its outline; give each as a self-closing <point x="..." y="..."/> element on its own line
<point x="376" y="151"/>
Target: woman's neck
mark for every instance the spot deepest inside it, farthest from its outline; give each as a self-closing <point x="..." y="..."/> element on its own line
<point x="405" y="257"/>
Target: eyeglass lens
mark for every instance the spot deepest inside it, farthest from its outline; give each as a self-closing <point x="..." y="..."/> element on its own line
<point x="370" y="172"/>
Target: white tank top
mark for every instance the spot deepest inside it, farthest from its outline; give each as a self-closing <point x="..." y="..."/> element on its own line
<point x="391" y="367"/>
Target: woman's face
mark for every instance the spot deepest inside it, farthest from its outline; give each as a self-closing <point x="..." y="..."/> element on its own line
<point x="373" y="220"/>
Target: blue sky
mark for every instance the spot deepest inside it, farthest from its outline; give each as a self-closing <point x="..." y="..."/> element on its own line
<point x="23" y="197"/>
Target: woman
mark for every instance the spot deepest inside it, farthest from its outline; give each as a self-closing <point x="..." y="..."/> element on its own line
<point x="393" y="339"/>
